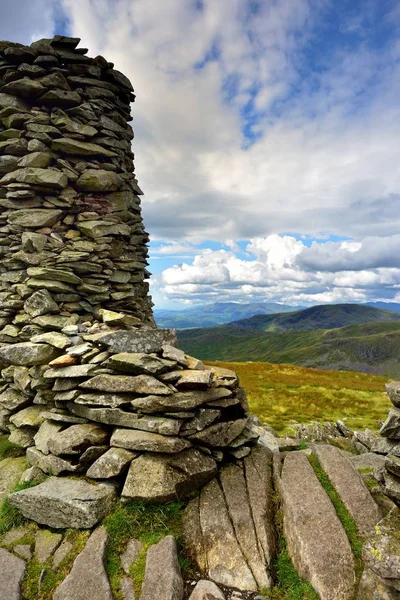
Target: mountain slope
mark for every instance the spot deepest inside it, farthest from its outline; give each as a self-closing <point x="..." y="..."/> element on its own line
<point x="217" y="313"/>
<point x="371" y="347"/>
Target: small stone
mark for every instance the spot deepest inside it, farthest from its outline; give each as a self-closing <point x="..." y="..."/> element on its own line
<point x="163" y="577"/>
<point x="46" y="543"/>
<point x="393" y="391"/>
<point x="97" y="180"/>
<point x="220" y="434"/>
<point x="23" y="551"/>
<point x="53" y="338"/>
<point x="192" y="379"/>
<point x="138" y="362"/>
<point x="143" y="340"/>
<point x="88" y="578"/>
<point x="12" y="400"/>
<point x="111" y="464"/>
<point x="64" y="503"/>
<point x="60" y="98"/>
<point x="63" y="361"/>
<point x="172" y="353"/>
<point x="206" y="590"/>
<point x="129" y="557"/>
<point x="32" y="475"/>
<point x="61" y="553"/>
<point x="35" y="159"/>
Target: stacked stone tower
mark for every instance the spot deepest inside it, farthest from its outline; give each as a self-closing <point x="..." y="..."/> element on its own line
<point x="89" y="384"/>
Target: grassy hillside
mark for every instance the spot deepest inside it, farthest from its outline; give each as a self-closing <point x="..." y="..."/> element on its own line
<point x="217" y="313"/>
<point x="370" y="348"/>
<point x="283" y="394"/>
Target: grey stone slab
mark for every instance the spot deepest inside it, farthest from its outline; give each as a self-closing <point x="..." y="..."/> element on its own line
<point x="64" y="503"/>
<point x="350" y="487"/>
<point x="75" y="439"/>
<point x="141" y="340"/>
<point x="88" y="578"/>
<point x="163" y="579"/>
<point x="130" y="555"/>
<point x="139" y="384"/>
<point x="111" y="464"/>
<point x="63" y="550"/>
<point x="133" y="439"/>
<point x="180" y="401"/>
<point x="317" y="542"/>
<point x="391" y="427"/>
<point x="12" y="571"/>
<point x="46" y="543"/>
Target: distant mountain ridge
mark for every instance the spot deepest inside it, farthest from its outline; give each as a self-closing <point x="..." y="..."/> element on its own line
<point x="217" y="313"/>
<point x="343" y="336"/>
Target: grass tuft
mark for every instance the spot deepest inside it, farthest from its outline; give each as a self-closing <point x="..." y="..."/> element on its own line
<point x="9" y="450"/>
<point x="349" y="525"/>
<point x="10" y="516"/>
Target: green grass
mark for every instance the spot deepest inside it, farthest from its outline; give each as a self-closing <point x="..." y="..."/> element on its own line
<point x="10" y="516"/>
<point x="289" y="586"/>
<point x="8" y="450"/>
<point x="148" y="523"/>
<point x="349" y="525"/>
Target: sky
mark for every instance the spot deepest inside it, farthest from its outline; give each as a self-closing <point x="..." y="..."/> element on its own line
<point x="266" y="140"/>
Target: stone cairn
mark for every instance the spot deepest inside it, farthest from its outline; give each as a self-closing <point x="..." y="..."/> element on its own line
<point x="89" y="385"/>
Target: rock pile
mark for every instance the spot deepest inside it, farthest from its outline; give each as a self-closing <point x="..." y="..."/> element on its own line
<point x="390" y="445"/>
<point x="88" y="384"/>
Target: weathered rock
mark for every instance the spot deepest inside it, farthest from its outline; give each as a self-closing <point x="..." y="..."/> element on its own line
<point x="11" y="470"/>
<point x="180" y="401"/>
<point x="140" y="384"/>
<point x="192" y="379"/>
<point x="50" y="464"/>
<point x="102" y="399"/>
<point x="391" y="427"/>
<point x="35" y="218"/>
<point x="381" y="552"/>
<point x="144" y="340"/>
<point x="162" y="478"/>
<point x="78" y="148"/>
<point x="28" y="417"/>
<point x="40" y="303"/>
<point x="46" y="543"/>
<point x="372" y="587"/>
<point x="206" y="590"/>
<point x="111" y="464"/>
<point x="12" y="400"/>
<point x="27" y="353"/>
<point x="116" y="416"/>
<point x="61" y="553"/>
<point x="97" y="180"/>
<point x="392" y="464"/>
<point x="130" y="555"/>
<point x="12" y="571"/>
<point x="32" y="475"/>
<point x="221" y="434"/>
<point x="64" y="503"/>
<point x="163" y="579"/>
<point x="76" y="438"/>
<point x="31" y="175"/>
<point x="88" y="578"/>
<point x="171" y="353"/>
<point x="393" y="391"/>
<point x="386" y="446"/>
<point x="392" y="486"/>
<point x="350" y="487"/>
<point x="132" y="439"/>
<point x="69" y="371"/>
<point x="234" y="488"/>
<point x="317" y="543"/>
<point x="226" y="563"/>
<point x="21" y="436"/>
<point x="137" y="363"/>
<point x="23" y="551"/>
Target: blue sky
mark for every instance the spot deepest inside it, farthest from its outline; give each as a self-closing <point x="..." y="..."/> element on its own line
<point x="266" y="139"/>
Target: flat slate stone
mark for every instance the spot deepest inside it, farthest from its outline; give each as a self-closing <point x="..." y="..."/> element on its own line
<point x="116" y="416"/>
<point x="350" y="487"/>
<point x="50" y="464"/>
<point x="162" y="478"/>
<point x="101" y="399"/>
<point x="27" y="354"/>
<point x="138" y="363"/>
<point x="139" y="384"/>
<point x="12" y="571"/>
<point x="162" y="579"/>
<point x="220" y="435"/>
<point x="46" y="543"/>
<point x="78" y="148"/>
<point x="133" y="439"/>
<point x="180" y="401"/>
<point x="88" y="578"/>
<point x="46" y="431"/>
<point x="142" y="340"/>
<point x="317" y="542"/>
<point x="42" y="177"/>
<point x="64" y="503"/>
<point x="226" y="562"/>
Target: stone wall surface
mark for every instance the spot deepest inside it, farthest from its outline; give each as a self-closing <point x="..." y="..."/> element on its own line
<point x="88" y="384"/>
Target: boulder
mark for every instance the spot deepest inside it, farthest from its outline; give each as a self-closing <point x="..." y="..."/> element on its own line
<point x="162" y="579"/>
<point x="88" y="578"/>
<point x="12" y="571"/>
<point x="162" y="478"/>
<point x="64" y="503"/>
<point x="317" y="542"/>
<point x="132" y="439"/>
<point x="75" y="439"/>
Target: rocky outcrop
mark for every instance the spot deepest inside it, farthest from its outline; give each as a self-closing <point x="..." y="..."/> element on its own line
<point x="390" y="445"/>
